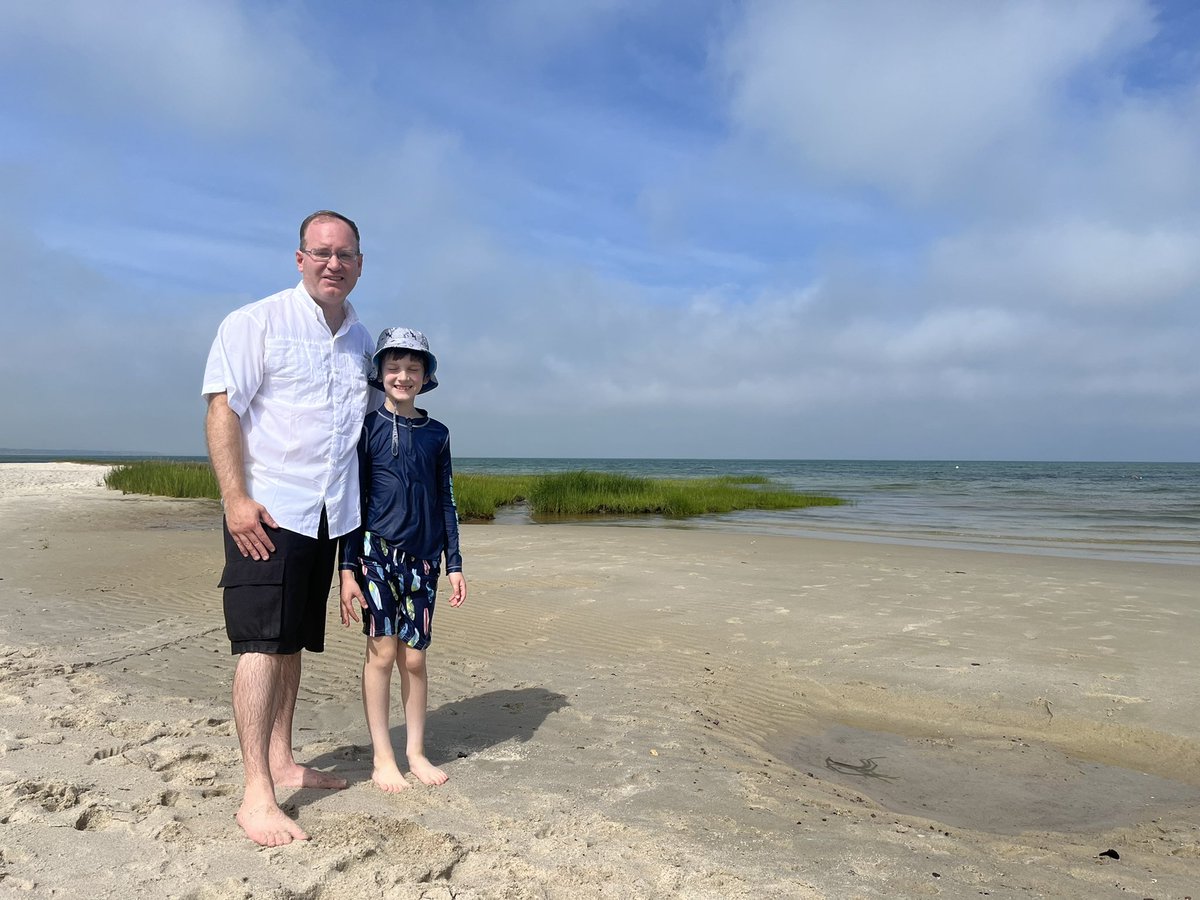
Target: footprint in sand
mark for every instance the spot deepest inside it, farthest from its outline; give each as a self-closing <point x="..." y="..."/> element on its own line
<point x="26" y="801"/>
<point x="190" y="765"/>
<point x="391" y="851"/>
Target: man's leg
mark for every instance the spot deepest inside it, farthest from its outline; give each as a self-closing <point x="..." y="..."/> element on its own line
<point x="376" y="691"/>
<point x="257" y="689"/>
<point x="414" y="686"/>
<point x="285" y="771"/>
<point x="309" y="571"/>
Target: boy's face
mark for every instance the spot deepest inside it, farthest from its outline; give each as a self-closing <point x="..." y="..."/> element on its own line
<point x="403" y="376"/>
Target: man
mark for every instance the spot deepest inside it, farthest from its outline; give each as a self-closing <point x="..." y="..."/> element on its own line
<point x="286" y="385"/>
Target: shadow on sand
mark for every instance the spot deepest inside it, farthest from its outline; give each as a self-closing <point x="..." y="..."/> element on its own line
<point x="454" y="730"/>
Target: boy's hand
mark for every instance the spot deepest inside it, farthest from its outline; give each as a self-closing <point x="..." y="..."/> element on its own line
<point x="460" y="588"/>
<point x="352" y="598"/>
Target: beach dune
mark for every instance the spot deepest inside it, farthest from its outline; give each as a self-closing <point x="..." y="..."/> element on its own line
<point x="623" y="712"/>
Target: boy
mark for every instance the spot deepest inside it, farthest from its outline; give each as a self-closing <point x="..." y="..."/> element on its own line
<point x="389" y="565"/>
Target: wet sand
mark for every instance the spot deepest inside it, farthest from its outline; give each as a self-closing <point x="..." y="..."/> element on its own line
<point x="623" y="712"/>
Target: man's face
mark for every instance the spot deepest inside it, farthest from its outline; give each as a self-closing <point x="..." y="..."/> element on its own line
<point x="330" y="281"/>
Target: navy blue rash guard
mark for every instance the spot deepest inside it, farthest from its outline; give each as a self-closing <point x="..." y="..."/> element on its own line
<point x="407" y="491"/>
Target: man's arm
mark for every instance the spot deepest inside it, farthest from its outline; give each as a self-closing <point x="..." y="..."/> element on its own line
<point x="243" y="516"/>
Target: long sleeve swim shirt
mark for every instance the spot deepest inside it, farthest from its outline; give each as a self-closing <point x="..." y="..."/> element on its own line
<point x="407" y="489"/>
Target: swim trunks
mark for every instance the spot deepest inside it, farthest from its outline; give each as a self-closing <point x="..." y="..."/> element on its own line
<point x="400" y="591"/>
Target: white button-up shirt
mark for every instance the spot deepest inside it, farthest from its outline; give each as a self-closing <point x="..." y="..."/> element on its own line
<point x="301" y="394"/>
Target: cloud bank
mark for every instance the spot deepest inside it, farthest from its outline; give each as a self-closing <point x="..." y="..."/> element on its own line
<point x="762" y="229"/>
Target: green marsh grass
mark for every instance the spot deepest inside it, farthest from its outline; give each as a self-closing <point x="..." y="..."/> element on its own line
<point x="164" y="478"/>
<point x="602" y="493"/>
<point x="564" y="494"/>
<point x="479" y="495"/>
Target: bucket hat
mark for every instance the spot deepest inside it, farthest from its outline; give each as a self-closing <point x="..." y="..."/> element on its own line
<point x="403" y="339"/>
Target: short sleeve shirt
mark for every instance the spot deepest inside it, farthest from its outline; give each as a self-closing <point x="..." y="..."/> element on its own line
<point x="301" y="394"/>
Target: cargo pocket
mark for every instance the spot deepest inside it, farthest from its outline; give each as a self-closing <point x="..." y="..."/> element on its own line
<point x="253" y="599"/>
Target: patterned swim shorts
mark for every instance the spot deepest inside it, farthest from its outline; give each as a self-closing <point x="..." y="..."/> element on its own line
<point x="400" y="591"/>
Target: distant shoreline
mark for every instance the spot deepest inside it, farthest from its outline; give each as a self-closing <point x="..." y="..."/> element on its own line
<point x="114" y="456"/>
<point x="1118" y="511"/>
<point x="100" y="457"/>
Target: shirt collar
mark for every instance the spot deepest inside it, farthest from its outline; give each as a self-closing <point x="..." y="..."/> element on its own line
<point x="419" y="418"/>
<point x="314" y="308"/>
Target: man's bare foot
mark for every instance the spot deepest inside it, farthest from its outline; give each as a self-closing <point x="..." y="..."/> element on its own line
<point x="426" y="772"/>
<point x="387" y="777"/>
<point x="269" y="826"/>
<point x="297" y="776"/>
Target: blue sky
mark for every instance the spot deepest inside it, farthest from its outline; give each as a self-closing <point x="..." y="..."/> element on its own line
<point x="629" y="228"/>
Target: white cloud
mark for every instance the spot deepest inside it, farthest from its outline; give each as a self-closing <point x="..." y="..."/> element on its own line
<point x="213" y="67"/>
<point x="1072" y="262"/>
<point x="1139" y="161"/>
<point x="101" y="364"/>
<point x="599" y="270"/>
<point x="942" y="338"/>
<point x="918" y="99"/>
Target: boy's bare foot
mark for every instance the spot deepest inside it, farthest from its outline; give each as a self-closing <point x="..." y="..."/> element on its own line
<point x="427" y="772"/>
<point x="269" y="826"/>
<point x="387" y="777"/>
<point x="297" y="776"/>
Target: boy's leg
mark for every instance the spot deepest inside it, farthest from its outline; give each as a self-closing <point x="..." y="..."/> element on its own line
<point x="376" y="691"/>
<point x="414" y="687"/>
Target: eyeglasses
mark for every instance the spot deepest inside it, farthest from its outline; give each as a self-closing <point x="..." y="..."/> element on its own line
<point x="324" y="254"/>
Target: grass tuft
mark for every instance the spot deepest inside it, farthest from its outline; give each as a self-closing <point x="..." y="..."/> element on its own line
<point x="601" y="493"/>
<point x="164" y="478"/>
<point x="479" y="495"/>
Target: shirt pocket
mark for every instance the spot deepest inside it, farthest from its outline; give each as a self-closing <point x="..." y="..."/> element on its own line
<point x="290" y="366"/>
<point x="350" y="372"/>
<point x="253" y="599"/>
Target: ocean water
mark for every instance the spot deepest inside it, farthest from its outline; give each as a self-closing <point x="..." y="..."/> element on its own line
<point x="1134" y="511"/>
<point x="1106" y="510"/>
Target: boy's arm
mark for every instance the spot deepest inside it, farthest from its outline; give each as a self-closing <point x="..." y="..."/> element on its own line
<point x="449" y="510"/>
<point x="350" y="543"/>
<point x="350" y="594"/>
<point x="454" y="575"/>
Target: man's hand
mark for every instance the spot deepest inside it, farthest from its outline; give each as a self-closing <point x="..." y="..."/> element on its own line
<point x="459" y="583"/>
<point x="245" y="519"/>
<point x="352" y="598"/>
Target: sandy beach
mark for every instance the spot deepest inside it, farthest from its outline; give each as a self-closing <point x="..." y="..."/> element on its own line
<point x="623" y="712"/>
